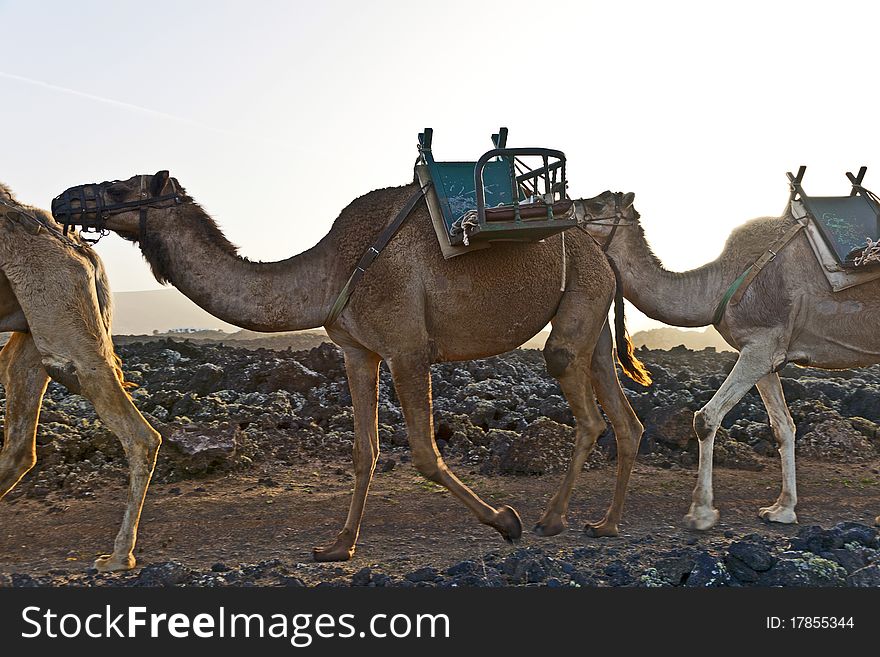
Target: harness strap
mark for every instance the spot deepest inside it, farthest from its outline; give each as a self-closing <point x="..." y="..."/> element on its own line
<point x="371" y="254"/>
<point x="738" y="288"/>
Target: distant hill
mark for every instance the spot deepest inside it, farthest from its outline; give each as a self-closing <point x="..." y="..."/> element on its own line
<point x="669" y="337"/>
<point x="295" y="340"/>
<point x="160" y="310"/>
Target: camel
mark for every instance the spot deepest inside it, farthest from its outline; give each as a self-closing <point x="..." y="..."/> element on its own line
<point x="787" y="315"/>
<point x="412" y="308"/>
<point x="55" y="300"/>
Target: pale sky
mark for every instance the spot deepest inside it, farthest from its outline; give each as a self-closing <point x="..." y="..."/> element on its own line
<point x="258" y="107"/>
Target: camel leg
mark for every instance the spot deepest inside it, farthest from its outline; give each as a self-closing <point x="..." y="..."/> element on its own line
<point x="572" y="372"/>
<point x="362" y="368"/>
<point x="752" y="365"/>
<point x="140" y="442"/>
<point x="770" y="388"/>
<point x="25" y="381"/>
<point x="627" y="431"/>
<point x="412" y="380"/>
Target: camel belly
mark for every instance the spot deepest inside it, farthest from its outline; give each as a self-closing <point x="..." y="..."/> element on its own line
<point x="479" y="318"/>
<point x="838" y="332"/>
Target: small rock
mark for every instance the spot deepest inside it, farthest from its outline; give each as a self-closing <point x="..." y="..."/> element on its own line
<point x="867" y="576"/>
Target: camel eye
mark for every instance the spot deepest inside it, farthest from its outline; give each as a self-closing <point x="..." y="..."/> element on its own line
<point x="116" y="192"/>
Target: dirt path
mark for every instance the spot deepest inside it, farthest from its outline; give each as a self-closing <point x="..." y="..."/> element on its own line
<point x="409" y="522"/>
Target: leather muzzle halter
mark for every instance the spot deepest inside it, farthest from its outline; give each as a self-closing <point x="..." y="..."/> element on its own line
<point x="87" y="206"/>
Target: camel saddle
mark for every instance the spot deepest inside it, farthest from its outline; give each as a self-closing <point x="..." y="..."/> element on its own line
<point x="844" y="231"/>
<point x="508" y="195"/>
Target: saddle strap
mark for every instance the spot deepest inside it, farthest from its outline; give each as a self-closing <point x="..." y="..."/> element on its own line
<point x="740" y="285"/>
<point x="371" y="254"/>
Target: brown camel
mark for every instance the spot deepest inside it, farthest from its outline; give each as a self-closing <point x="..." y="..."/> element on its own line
<point x="412" y="308"/>
<point x="55" y="299"/>
<point x="787" y="315"/>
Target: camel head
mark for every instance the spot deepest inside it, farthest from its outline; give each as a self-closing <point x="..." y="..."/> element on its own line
<point x="602" y="215"/>
<point x="120" y="205"/>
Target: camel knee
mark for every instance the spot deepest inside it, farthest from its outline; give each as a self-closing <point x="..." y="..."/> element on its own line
<point x="558" y="360"/>
<point x="429" y="465"/>
<point x="628" y="445"/>
<point x="20" y="462"/>
<point x="785" y="430"/>
<point x="365" y="461"/>
<point x="590" y="429"/>
<point x="703" y="427"/>
<point x="142" y="450"/>
<point x="62" y="371"/>
<point x="13" y="467"/>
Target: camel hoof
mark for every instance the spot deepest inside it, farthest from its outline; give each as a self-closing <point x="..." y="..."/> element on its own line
<point x="550" y="526"/>
<point x="108" y="563"/>
<point x="507" y="523"/>
<point x="600" y="529"/>
<point x="776" y="513"/>
<point x="333" y="553"/>
<point x="701" y="518"/>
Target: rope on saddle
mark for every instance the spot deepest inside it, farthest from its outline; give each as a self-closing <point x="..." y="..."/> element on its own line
<point x="371" y="254"/>
<point x="740" y="285"/>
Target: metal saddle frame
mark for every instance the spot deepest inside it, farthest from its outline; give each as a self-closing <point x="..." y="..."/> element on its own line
<point x="846" y="224"/>
<point x="499" y="197"/>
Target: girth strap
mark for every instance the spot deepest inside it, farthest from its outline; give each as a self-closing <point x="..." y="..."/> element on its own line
<point x="740" y="285"/>
<point x="371" y="254"/>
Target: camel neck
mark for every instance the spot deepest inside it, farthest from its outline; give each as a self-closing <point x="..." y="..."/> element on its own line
<point x="286" y="295"/>
<point x="686" y="298"/>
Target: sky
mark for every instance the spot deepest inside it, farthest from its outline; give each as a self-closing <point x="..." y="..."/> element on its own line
<point x="276" y="114"/>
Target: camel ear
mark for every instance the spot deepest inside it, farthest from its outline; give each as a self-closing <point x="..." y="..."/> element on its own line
<point x="627" y="200"/>
<point x="159" y="182"/>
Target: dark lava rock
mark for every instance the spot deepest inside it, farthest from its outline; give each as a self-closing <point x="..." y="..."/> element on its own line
<point x="867" y="576"/>
<point x="856" y="532"/>
<point x="804" y="569"/>
<point x="202" y="448"/>
<point x="676" y="569"/>
<point x="544" y="447"/>
<point x="708" y="571"/>
<point x="205" y="379"/>
<point x="427" y="574"/>
<point x="170" y="573"/>
<point x="462" y="568"/>
<point x="618" y="574"/>
<point x="817" y="540"/>
<point x="863" y="402"/>
<point x="672" y="426"/>
<point x="753" y="554"/>
<point x="850" y="560"/>
<point x="362" y="577"/>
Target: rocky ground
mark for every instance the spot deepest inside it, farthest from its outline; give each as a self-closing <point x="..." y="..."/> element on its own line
<point x="236" y="418"/>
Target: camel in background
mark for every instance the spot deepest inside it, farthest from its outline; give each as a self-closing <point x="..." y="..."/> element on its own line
<point x="55" y="299"/>
<point x="412" y="308"/>
<point x="787" y="315"/>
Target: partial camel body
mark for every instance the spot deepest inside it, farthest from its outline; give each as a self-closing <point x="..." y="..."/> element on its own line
<point x="55" y="298"/>
<point x="788" y="314"/>
<point x="412" y="308"/>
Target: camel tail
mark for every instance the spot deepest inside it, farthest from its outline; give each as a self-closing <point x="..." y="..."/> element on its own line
<point x="626" y="356"/>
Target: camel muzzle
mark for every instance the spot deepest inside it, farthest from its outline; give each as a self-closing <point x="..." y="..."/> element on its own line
<point x="87" y="206"/>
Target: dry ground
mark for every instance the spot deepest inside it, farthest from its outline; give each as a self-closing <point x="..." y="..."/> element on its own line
<point x="409" y="522"/>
